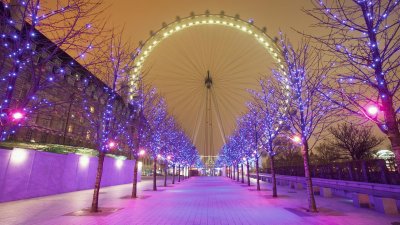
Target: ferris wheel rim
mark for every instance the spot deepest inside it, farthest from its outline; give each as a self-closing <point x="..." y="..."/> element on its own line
<point x="145" y="48"/>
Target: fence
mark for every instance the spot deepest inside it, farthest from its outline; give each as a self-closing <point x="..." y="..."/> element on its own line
<point x="373" y="171"/>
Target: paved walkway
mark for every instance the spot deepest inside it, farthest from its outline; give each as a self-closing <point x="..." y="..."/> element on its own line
<point x="199" y="200"/>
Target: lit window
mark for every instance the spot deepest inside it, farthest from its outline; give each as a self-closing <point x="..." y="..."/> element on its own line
<point x="88" y="135"/>
<point x="70" y="128"/>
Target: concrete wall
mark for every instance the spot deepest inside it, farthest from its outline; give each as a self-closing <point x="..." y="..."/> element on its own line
<point x="28" y="173"/>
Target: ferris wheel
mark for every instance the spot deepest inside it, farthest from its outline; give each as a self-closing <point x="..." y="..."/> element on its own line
<point x="204" y="66"/>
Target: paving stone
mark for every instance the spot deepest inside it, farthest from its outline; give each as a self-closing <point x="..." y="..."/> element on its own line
<point x="199" y="200"/>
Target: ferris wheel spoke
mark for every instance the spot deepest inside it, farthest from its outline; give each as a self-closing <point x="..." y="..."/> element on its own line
<point x="227" y="106"/>
<point x="178" y="68"/>
<point x="236" y="68"/>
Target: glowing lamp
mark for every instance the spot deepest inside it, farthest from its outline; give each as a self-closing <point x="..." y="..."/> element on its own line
<point x="119" y="163"/>
<point x="18" y="155"/>
<point x="372" y="110"/>
<point x="169" y="157"/>
<point x="158" y="156"/>
<point x="244" y="158"/>
<point x="142" y="152"/>
<point x="17" y="115"/>
<point x="140" y="165"/>
<point x="84" y="161"/>
<point x="296" y="139"/>
<point x="111" y="144"/>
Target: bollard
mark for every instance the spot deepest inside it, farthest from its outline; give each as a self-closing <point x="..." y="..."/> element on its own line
<point x="386" y="205"/>
<point x="326" y="192"/>
<point x="361" y="200"/>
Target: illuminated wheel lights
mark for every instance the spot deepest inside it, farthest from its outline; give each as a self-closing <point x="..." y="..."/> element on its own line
<point x="197" y="20"/>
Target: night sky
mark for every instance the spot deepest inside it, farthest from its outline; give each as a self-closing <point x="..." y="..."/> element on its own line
<point x="139" y="17"/>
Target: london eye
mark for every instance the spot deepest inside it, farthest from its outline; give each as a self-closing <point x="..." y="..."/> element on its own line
<point x="204" y="65"/>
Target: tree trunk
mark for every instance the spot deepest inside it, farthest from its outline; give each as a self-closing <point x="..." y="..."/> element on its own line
<point x="234" y="173"/>
<point x="173" y="174"/>
<point x="155" y="174"/>
<point x="242" y="174"/>
<point x="179" y="173"/>
<point x="165" y="174"/>
<point x="258" y="174"/>
<point x="312" y="206"/>
<point x="248" y="173"/>
<point x="135" y="174"/>
<point x="237" y="170"/>
<point x="95" y="201"/>
<point x="394" y="137"/>
<point x="274" y="191"/>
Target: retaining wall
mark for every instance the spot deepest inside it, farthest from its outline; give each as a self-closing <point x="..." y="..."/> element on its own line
<point x="28" y="173"/>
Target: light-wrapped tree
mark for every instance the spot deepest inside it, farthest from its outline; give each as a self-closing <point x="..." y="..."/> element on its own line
<point x="309" y="113"/>
<point x="363" y="38"/>
<point x="271" y="104"/>
<point x="36" y="40"/>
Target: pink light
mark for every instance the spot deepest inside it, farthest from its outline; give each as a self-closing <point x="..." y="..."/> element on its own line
<point x="372" y="110"/>
<point x="169" y="157"/>
<point x="158" y="156"/>
<point x="142" y="152"/>
<point x="111" y="144"/>
<point x="17" y="115"/>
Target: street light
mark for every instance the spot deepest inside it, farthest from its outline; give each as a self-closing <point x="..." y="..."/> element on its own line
<point x="372" y="110"/>
<point x="111" y="145"/>
<point x="17" y="116"/>
<point x="142" y="152"/>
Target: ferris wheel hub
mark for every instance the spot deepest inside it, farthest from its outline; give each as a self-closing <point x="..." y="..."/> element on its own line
<point x="208" y="80"/>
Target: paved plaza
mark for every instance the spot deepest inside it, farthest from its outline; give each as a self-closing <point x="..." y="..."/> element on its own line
<point x="198" y="200"/>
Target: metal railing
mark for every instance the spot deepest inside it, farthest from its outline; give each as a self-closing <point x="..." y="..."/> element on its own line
<point x="372" y="171"/>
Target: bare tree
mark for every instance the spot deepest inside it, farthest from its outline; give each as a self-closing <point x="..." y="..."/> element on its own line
<point x="326" y="153"/>
<point x="363" y="37"/>
<point x="355" y="141"/>
<point x="287" y="153"/>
